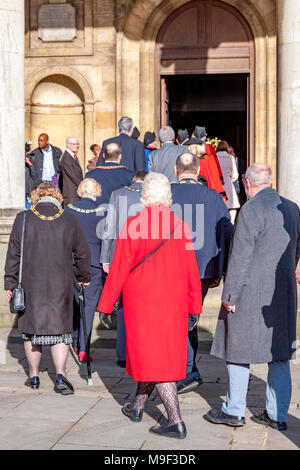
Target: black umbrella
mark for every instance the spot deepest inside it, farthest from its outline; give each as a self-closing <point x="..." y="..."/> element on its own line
<point x="87" y="343"/>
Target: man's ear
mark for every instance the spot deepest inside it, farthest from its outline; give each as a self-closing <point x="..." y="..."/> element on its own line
<point x="176" y="172"/>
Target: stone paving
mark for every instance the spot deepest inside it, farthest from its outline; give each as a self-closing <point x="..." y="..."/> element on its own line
<point x="92" y="418"/>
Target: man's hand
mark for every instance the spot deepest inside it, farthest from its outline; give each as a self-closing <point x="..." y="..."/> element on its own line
<point x="9" y="294"/>
<point x="230" y="308"/>
<point x="297" y="272"/>
<point x="105" y="319"/>
<point x="105" y="267"/>
<point x="28" y="161"/>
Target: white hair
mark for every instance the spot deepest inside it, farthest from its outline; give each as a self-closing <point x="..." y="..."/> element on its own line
<point x="71" y="138"/>
<point x="259" y="174"/>
<point x="89" y="187"/>
<point x="166" y="134"/>
<point x="156" y="190"/>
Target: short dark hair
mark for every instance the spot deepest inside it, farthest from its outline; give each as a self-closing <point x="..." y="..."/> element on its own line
<point x="139" y="175"/>
<point x="93" y="146"/>
<point x="112" y="154"/>
<point x="187" y="163"/>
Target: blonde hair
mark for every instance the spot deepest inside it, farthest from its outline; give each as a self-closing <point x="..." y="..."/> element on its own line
<point x="89" y="187"/>
<point x="195" y="149"/>
<point x="156" y="190"/>
<point x="46" y="190"/>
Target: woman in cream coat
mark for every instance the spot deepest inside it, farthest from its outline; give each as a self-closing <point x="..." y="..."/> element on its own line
<point x="230" y="175"/>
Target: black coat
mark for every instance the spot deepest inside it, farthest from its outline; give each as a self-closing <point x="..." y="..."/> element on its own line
<point x="47" y="275"/>
<point x="111" y="176"/>
<point x="37" y="157"/>
<point x="212" y="226"/>
<point x="70" y="177"/>
<point x="133" y="152"/>
<point x="90" y="214"/>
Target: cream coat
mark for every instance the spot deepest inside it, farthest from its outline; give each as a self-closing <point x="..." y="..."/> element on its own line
<point x="230" y="175"/>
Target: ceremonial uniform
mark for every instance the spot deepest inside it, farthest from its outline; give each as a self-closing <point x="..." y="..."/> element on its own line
<point x="111" y="176"/>
<point x="211" y="229"/>
<point x="123" y="203"/>
<point x="89" y="214"/>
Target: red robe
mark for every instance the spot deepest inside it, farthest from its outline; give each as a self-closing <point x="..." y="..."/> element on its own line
<point x="210" y="150"/>
<point x="209" y="170"/>
<point x="157" y="295"/>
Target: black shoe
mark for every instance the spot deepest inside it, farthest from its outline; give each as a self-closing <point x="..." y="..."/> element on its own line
<point x="63" y="386"/>
<point x="132" y="413"/>
<point x="178" y="431"/>
<point x="189" y="383"/>
<point x="34" y="383"/>
<point x="218" y="417"/>
<point x="121" y="363"/>
<point x="264" y="419"/>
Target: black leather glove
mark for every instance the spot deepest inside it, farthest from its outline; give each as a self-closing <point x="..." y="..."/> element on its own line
<point x="193" y="321"/>
<point x="105" y="319"/>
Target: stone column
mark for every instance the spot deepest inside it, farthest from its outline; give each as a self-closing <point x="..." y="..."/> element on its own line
<point x="12" y="186"/>
<point x="288" y="27"/>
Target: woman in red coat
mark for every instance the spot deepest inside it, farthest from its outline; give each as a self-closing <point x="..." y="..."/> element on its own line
<point x="157" y="295"/>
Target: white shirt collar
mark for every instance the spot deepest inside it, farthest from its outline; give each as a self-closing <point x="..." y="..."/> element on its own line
<point x="70" y="152"/>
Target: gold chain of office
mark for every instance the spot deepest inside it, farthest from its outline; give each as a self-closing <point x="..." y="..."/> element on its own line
<point x="132" y="189"/>
<point x="43" y="217"/>
<point x="86" y="211"/>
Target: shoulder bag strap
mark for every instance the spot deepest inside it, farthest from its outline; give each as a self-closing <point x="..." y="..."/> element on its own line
<point x="22" y="247"/>
<point x="148" y="256"/>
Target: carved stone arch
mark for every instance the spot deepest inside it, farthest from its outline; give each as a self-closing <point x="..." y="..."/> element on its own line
<point x="84" y="113"/>
<point x="136" y="63"/>
<point x="60" y="70"/>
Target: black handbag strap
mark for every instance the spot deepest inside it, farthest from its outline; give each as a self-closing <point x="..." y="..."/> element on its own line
<point x="152" y="253"/>
<point x="22" y="248"/>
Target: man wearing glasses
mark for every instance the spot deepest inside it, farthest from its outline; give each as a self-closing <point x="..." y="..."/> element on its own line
<point x="71" y="171"/>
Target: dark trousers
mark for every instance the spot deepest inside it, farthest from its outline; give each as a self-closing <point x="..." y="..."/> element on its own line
<point x="121" y="336"/>
<point x="193" y="337"/>
<point x="91" y="294"/>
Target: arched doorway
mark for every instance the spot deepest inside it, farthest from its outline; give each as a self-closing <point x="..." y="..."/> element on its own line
<point x="205" y="73"/>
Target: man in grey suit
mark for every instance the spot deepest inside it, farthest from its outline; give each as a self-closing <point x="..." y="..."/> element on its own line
<point x="164" y="159"/>
<point x="123" y="203"/>
<point x="257" y="321"/>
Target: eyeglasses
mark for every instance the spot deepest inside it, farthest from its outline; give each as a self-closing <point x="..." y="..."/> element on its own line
<point x="74" y="143"/>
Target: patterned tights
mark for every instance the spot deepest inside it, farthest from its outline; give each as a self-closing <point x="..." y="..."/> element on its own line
<point x="168" y="395"/>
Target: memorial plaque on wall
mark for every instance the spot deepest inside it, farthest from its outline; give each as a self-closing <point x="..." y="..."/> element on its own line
<point x="57" y="22"/>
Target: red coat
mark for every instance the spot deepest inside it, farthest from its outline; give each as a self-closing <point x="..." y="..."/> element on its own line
<point x="209" y="170"/>
<point x="157" y="295"/>
<point x="210" y="150"/>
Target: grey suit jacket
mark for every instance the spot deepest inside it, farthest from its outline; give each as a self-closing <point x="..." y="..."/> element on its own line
<point x="261" y="282"/>
<point x="164" y="159"/>
<point x="123" y="203"/>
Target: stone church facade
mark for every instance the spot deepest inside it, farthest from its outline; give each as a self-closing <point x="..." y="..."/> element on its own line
<point x="86" y="63"/>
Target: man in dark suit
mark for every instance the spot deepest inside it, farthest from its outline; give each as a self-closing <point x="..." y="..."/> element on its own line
<point x="45" y="162"/>
<point x="133" y="154"/>
<point x="111" y="175"/>
<point x="71" y="172"/>
<point x="205" y="212"/>
<point x="164" y="159"/>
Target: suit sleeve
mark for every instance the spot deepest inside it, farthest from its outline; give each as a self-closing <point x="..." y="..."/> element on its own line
<point x="69" y="170"/>
<point x="194" y="281"/>
<point x="242" y="249"/>
<point x="12" y="264"/>
<point x="123" y="260"/>
<point x="140" y="161"/>
<point x="224" y="232"/>
<point x="109" y="231"/>
<point x="101" y="156"/>
<point x="150" y="161"/>
<point x="298" y="241"/>
<point x="82" y="255"/>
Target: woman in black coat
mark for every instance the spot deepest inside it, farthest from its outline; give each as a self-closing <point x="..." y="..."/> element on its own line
<point x="52" y="238"/>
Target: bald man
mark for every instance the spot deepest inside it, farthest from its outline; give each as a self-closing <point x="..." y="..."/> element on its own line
<point x="71" y="171"/>
<point x="46" y="161"/>
<point x="111" y="174"/>
<point x="205" y="212"/>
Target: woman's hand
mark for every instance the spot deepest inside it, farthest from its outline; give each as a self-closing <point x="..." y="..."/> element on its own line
<point x="9" y="294"/>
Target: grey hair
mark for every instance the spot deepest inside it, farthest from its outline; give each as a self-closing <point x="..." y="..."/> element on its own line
<point x="89" y="187"/>
<point x="259" y="174"/>
<point x="156" y="190"/>
<point x="125" y="124"/>
<point x="166" y="133"/>
<point x="71" y="138"/>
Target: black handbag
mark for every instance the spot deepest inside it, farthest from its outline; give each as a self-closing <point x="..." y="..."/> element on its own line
<point x="119" y="301"/>
<point x="17" y="301"/>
